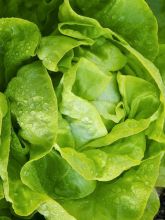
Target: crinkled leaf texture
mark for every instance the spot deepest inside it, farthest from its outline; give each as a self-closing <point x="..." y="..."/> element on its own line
<point x="82" y="110"/>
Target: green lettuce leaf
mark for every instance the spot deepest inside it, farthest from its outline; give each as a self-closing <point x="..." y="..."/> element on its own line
<point x="24" y="200"/>
<point x="126" y="198"/>
<point x="23" y="9"/>
<point x="34" y="105"/>
<point x="108" y="162"/>
<point x="64" y="136"/>
<point x="138" y="25"/>
<point x="85" y="121"/>
<point x="53" y="211"/>
<point x="51" y="54"/>
<point x="61" y="182"/>
<point x="158" y="8"/>
<point x="159" y="62"/>
<point x="18" y="42"/>
<point x="136" y="94"/>
<point x="152" y="207"/>
<point x="105" y="54"/>
<point x="161" y="179"/>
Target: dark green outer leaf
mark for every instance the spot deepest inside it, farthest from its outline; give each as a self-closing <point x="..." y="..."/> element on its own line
<point x="18" y="42"/>
<point x="158" y="7"/>
<point x="138" y="26"/>
<point x="160" y="61"/>
<point x="45" y="16"/>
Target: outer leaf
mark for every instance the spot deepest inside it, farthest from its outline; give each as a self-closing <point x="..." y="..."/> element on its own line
<point x="52" y="176"/>
<point x="23" y="9"/>
<point x="34" y="105"/>
<point x="158" y="8"/>
<point x="77" y="26"/>
<point x="18" y="42"/>
<point x="138" y="25"/>
<point x="152" y="206"/>
<point x="126" y="198"/>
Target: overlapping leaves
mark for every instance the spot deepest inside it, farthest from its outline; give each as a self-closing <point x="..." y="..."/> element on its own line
<point x="82" y="115"/>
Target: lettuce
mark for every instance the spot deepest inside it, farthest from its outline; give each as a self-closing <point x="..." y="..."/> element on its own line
<point x="82" y="109"/>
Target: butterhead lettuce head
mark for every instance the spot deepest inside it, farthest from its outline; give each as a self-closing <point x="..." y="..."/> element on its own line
<point x="82" y="109"/>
